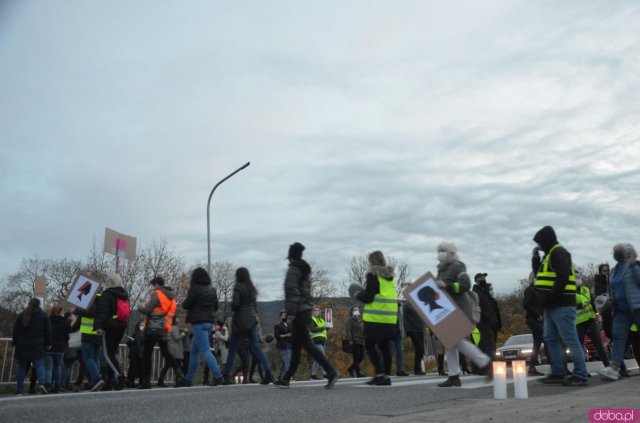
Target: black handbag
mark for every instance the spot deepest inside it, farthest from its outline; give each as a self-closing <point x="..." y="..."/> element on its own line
<point x="347" y="346"/>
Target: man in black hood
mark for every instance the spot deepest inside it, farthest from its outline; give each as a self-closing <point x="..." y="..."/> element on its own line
<point x="555" y="289"/>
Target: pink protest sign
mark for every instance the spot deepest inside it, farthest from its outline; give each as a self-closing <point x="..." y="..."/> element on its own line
<point x="120" y="245"/>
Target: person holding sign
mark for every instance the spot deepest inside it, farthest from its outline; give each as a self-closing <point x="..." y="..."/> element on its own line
<point x="452" y="277"/>
<point x="380" y="316"/>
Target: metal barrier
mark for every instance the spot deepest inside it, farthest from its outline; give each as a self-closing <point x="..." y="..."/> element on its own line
<point x="10" y="365"/>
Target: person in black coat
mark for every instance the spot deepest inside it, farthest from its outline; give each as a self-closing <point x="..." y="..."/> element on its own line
<point x="490" y="322"/>
<point x="111" y="328"/>
<point x="297" y="293"/>
<point x="31" y="336"/>
<point x="60" y="329"/>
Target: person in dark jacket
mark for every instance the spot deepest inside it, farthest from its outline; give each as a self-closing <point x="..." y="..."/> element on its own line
<point x="556" y="292"/>
<point x="533" y="316"/>
<point x="162" y="303"/>
<point x="244" y="324"/>
<point x="490" y="322"/>
<point x="297" y="292"/>
<point x="282" y="332"/>
<point x="111" y="329"/>
<point x="201" y="305"/>
<point x="91" y="342"/>
<point x="415" y="328"/>
<point x="60" y="329"/>
<point x="378" y="335"/>
<point x="31" y="336"/>
<point x="354" y="334"/>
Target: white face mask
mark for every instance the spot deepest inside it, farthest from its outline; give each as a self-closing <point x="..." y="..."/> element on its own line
<point x="442" y="255"/>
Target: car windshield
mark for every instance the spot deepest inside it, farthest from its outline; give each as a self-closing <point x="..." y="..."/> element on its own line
<point x="520" y="339"/>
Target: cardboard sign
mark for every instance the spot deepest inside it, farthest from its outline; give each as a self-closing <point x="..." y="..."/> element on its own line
<point x="82" y="293"/>
<point x="120" y="245"/>
<point x="328" y="317"/>
<point x="40" y="286"/>
<point x="449" y="324"/>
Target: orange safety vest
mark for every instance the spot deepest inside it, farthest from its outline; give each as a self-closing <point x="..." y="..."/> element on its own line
<point x="167" y="308"/>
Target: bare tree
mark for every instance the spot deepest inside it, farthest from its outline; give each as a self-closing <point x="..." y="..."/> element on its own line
<point x="322" y="287"/>
<point x="223" y="277"/>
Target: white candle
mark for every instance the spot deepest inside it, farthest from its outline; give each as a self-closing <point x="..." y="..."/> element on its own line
<point x="520" y="379"/>
<point x="236" y="379"/>
<point x="499" y="380"/>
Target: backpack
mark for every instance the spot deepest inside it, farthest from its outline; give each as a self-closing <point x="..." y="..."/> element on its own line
<point x="123" y="310"/>
<point x="474" y="301"/>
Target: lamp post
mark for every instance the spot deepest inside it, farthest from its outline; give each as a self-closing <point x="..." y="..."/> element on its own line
<point x="208" y="220"/>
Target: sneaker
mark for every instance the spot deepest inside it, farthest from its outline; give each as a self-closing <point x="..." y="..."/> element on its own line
<point x="41" y="389"/>
<point x="99" y="384"/>
<point x="331" y="380"/>
<point x="534" y="372"/>
<point x="218" y="381"/>
<point x="575" y="381"/>
<point x="452" y="381"/>
<point x="552" y="379"/>
<point x="609" y="373"/>
<point x="383" y="381"/>
<point x="281" y="383"/>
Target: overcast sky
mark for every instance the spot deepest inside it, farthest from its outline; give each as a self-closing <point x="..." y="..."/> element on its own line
<point x="369" y="125"/>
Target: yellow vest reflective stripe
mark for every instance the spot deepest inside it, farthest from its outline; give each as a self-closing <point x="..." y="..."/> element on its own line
<point x="86" y="323"/>
<point x="584" y="314"/>
<point x="476" y="335"/>
<point x="384" y="307"/>
<point x="320" y="323"/>
<point x="633" y="328"/>
<point x="546" y="277"/>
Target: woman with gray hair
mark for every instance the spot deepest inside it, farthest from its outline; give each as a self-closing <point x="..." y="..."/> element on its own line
<point x="452" y="277"/>
<point x="624" y="293"/>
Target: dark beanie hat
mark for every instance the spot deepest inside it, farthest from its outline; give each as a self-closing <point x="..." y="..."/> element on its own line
<point x="295" y="251"/>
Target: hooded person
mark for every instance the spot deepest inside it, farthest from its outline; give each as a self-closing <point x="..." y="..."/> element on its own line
<point x="161" y="306"/>
<point x="111" y="328"/>
<point x="380" y="316"/>
<point x="298" y="305"/>
<point x="555" y="290"/>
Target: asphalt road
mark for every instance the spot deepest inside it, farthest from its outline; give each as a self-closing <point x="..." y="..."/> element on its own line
<point x="305" y="401"/>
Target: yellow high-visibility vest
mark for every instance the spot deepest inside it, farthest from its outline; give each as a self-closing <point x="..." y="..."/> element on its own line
<point x="546" y="277"/>
<point x="320" y="323"/>
<point x="584" y="314"/>
<point x="384" y="307"/>
<point x="86" y="323"/>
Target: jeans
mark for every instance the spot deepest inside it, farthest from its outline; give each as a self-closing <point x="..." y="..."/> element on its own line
<point x="200" y="345"/>
<point x="254" y="343"/>
<point x="285" y="354"/>
<point x="622" y="320"/>
<point x="23" y="365"/>
<point x="53" y="368"/>
<point x="314" y="364"/>
<point x="560" y="328"/>
<point x="91" y="357"/>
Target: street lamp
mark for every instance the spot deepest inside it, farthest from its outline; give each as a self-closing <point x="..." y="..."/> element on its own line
<point x="208" y="204"/>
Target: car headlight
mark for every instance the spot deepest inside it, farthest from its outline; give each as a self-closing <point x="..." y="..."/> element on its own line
<point x="526" y="351"/>
<point x="498" y="354"/>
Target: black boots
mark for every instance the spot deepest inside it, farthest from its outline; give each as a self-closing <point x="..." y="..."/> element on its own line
<point x="268" y="378"/>
<point x="451" y="381"/>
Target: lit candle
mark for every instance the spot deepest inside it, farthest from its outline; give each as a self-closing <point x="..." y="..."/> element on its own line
<point x="520" y="379"/>
<point x="236" y="379"/>
<point x="241" y="378"/>
<point x="499" y="380"/>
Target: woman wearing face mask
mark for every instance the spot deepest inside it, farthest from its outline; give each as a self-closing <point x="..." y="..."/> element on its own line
<point x="452" y="277"/>
<point x="355" y="336"/>
<point x="624" y="290"/>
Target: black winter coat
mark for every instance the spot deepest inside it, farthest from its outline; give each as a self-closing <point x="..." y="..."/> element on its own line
<point x="297" y="288"/>
<point x="280" y="329"/>
<point x="60" y="330"/>
<point x="201" y="303"/>
<point x="488" y="316"/>
<point x="106" y="308"/>
<point x="30" y="341"/>
<point x="245" y="314"/>
<point x="412" y="320"/>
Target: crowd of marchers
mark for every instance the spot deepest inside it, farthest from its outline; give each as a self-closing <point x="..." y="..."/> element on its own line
<point x="559" y="311"/>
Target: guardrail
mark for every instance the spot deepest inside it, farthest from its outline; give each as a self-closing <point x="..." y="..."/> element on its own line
<point x="9" y="364"/>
